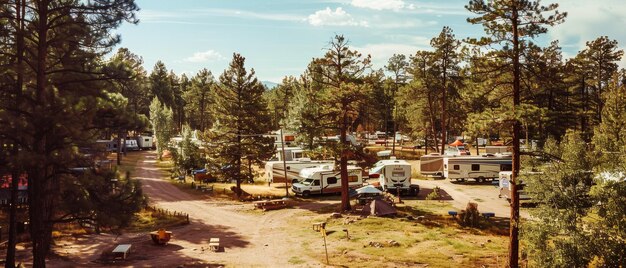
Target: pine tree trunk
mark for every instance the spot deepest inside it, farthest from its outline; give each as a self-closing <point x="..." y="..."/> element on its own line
<point x="514" y="222"/>
<point x="15" y="174"/>
<point x="343" y="164"/>
<point x="39" y="184"/>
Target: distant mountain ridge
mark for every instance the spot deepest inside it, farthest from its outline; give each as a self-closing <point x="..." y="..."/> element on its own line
<point x="269" y="84"/>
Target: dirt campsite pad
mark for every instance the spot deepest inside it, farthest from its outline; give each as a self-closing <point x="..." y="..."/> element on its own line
<point x="246" y="238"/>
<point x="280" y="238"/>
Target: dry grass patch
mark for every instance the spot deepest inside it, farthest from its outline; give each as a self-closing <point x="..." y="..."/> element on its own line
<point x="435" y="240"/>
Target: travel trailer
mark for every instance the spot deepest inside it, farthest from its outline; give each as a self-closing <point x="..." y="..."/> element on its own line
<point x="325" y="180"/>
<point x="393" y="174"/>
<point x="131" y="145"/>
<point x="432" y="165"/>
<point x="275" y="170"/>
<point x="145" y="142"/>
<point x="480" y="168"/>
<point x="291" y="153"/>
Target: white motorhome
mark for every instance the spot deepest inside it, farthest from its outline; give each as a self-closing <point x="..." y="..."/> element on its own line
<point x="275" y="170"/>
<point x="145" y="142"/>
<point x="326" y="180"/>
<point x="393" y="174"/>
<point x="480" y="168"/>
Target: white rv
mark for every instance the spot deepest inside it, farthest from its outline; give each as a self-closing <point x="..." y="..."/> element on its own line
<point x="291" y="153"/>
<point x="480" y="168"/>
<point x="326" y="180"/>
<point x="131" y="145"/>
<point x="275" y="170"/>
<point x="393" y="174"/>
<point x="145" y="142"/>
<point x="432" y="165"/>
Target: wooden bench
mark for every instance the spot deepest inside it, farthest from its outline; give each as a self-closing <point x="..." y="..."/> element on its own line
<point x="214" y="244"/>
<point x="122" y="249"/>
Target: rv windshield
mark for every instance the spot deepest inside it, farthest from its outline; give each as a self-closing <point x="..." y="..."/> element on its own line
<point x="307" y="182"/>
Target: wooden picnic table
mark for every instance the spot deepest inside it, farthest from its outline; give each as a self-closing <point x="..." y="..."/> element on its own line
<point x="214" y="244"/>
<point x="122" y="249"/>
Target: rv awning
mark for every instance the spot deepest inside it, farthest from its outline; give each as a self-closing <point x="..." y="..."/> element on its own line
<point x="456" y="143"/>
<point x="377" y="170"/>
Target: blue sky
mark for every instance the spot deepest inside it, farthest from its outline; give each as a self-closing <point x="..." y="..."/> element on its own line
<point x="280" y="38"/>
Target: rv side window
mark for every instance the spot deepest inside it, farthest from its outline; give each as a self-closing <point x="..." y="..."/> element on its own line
<point x="475" y="167"/>
<point x="353" y="178"/>
<point x="506" y="167"/>
<point x="146" y="140"/>
<point x="331" y="180"/>
<point x="316" y="182"/>
<point x="456" y="167"/>
<point x="297" y="155"/>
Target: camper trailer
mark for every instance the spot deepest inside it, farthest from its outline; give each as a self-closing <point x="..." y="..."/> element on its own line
<point x="432" y="165"/>
<point x="291" y="153"/>
<point x="394" y="174"/>
<point x="145" y="142"/>
<point x="131" y="145"/>
<point x="480" y="168"/>
<point x="275" y="170"/>
<point x="325" y="180"/>
<point x="504" y="185"/>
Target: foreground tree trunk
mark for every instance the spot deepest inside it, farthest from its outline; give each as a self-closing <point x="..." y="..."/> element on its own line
<point x="343" y="163"/>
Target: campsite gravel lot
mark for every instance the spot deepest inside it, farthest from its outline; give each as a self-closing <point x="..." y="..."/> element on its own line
<point x="248" y="238"/>
<point x="485" y="194"/>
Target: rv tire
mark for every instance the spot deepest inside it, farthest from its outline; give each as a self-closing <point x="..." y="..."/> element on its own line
<point x="306" y="194"/>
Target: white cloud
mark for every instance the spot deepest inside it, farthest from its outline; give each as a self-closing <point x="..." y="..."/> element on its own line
<point x="588" y="20"/>
<point x="338" y="17"/>
<point x="206" y="56"/>
<point x="379" y="4"/>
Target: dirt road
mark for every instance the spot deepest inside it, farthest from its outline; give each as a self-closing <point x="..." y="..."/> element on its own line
<point x="248" y="239"/>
